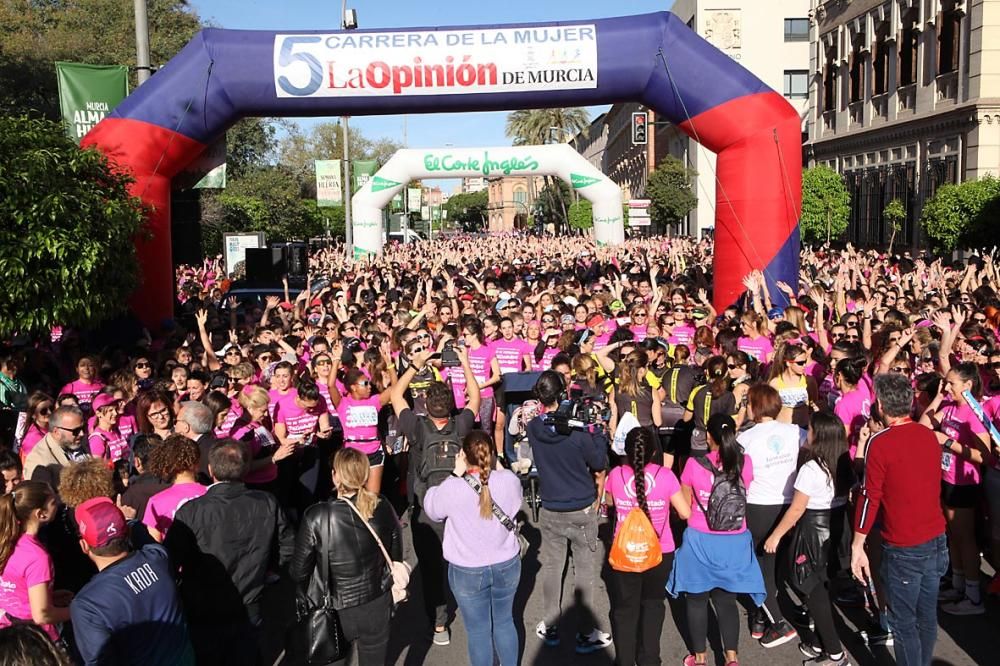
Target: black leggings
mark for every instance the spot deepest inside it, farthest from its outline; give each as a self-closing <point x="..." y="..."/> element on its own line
<point x="761" y="520"/>
<point x="821" y="611"/>
<point x="726" y="612"/>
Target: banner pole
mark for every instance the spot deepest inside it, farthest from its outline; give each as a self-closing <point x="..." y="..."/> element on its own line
<point x="142" y="67"/>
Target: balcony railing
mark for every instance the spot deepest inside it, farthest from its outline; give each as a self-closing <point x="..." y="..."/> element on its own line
<point x="947" y="87"/>
<point x="829" y="121"/>
<point x="880" y="106"/>
<point x="907" y="98"/>
<point x="857" y="111"/>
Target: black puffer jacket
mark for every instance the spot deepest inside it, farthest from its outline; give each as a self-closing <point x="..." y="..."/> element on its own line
<point x="358" y="571"/>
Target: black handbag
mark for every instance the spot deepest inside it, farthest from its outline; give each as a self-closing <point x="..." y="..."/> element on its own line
<point x="316" y="637"/>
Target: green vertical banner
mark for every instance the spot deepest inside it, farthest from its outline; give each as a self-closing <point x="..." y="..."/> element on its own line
<point x="397" y="202"/>
<point x="328" y="180"/>
<point x="362" y="171"/>
<point x="87" y="93"/>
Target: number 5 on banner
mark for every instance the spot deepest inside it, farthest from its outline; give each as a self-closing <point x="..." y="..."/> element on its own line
<point x="286" y="58"/>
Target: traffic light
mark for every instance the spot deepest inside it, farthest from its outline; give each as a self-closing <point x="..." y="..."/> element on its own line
<point x="639" y="128"/>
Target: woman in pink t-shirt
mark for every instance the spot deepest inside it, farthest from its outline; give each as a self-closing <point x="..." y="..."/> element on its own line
<point x="86" y="386"/>
<point x="716" y="564"/>
<point x="253" y="426"/>
<point x="637" y="603"/>
<point x="963" y="453"/>
<point x="854" y="405"/>
<point x="40" y="408"/>
<point x="175" y="461"/>
<point x="358" y="412"/>
<point x="106" y="441"/>
<point x="754" y="340"/>
<point x="26" y="575"/>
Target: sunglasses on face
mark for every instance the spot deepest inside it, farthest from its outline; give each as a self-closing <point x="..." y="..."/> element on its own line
<point x="799" y="362"/>
<point x="979" y="320"/>
<point x="850" y="337"/>
<point x="44" y="411"/>
<point x="266" y="358"/>
<point x="231" y="352"/>
<point x="733" y="366"/>
<point x="424" y="336"/>
<point x="161" y="414"/>
<point x="141" y="365"/>
<point x="76" y="432"/>
<point x="332" y="328"/>
<point x="416" y="350"/>
<point x="350" y="328"/>
<point x="901" y="369"/>
<point x="362" y="384"/>
<point x="324" y="361"/>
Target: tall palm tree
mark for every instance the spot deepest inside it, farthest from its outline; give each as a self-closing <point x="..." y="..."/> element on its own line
<point x="529" y="127"/>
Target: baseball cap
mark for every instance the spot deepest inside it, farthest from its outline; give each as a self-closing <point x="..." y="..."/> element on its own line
<point x="571" y="301"/>
<point x="595" y="320"/>
<point x="503" y="303"/>
<point x="567" y="319"/>
<point x="775" y="313"/>
<point x="617" y="306"/>
<point x="103" y="400"/>
<point x="100" y="522"/>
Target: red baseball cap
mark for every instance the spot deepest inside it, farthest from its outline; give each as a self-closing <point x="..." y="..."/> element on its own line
<point x="100" y="522"/>
<point x="595" y="320"/>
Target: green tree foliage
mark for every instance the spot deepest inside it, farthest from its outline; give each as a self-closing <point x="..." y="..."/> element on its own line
<point x="670" y="190"/>
<point x="299" y="148"/>
<point x="529" y="127"/>
<point x="963" y="216"/>
<point x="826" y="205"/>
<point x="894" y="214"/>
<point x="36" y="33"/>
<point x="468" y="209"/>
<point x="67" y="248"/>
<point x="581" y="215"/>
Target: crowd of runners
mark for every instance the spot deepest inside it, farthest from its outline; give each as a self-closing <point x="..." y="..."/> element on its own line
<point x="805" y="447"/>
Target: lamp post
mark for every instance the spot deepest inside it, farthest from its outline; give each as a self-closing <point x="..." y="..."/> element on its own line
<point x="348" y="226"/>
<point x="142" y="67"/>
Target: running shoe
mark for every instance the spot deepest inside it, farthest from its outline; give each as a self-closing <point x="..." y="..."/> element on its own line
<point x="592" y="642"/>
<point x="548" y="634"/>
<point x="810" y="651"/>
<point x="758" y="624"/>
<point x="826" y="660"/>
<point x="442" y="637"/>
<point x="964" y="607"/>
<point x="778" y="634"/>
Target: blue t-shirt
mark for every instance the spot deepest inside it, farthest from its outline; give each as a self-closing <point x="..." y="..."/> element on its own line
<point x="130" y="613"/>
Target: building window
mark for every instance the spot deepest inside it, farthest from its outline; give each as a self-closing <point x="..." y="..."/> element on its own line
<point x="796" y="84"/>
<point x="796" y="30"/>
<point x="949" y="26"/>
<point x="830" y="79"/>
<point x="857" y="70"/>
<point x="880" y="62"/>
<point x="908" y="40"/>
<point x="520" y="196"/>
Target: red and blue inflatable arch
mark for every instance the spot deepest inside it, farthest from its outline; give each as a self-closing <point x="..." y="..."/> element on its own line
<point x="224" y="75"/>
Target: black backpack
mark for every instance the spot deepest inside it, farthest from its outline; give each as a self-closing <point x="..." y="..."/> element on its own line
<point x="439" y="448"/>
<point x="727" y="503"/>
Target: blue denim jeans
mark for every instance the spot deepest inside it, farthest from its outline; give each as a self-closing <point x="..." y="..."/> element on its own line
<point x="911" y="576"/>
<point x="485" y="597"/>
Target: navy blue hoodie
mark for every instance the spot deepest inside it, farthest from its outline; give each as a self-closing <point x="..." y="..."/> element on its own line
<point x="566" y="465"/>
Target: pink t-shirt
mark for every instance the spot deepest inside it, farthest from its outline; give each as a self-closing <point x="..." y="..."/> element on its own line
<point x="480" y="361"/>
<point x="700" y="480"/>
<point x="84" y="392"/>
<point x="29" y="565"/>
<point x="127" y="425"/>
<point x="31" y="437"/>
<point x="639" y="332"/>
<point x="854" y="408"/>
<point x="324" y="390"/>
<point x="661" y="485"/>
<point x="276" y="398"/>
<point x="299" y="422"/>
<point x="601" y="341"/>
<point x="108" y="444"/>
<point x="235" y="412"/>
<point x="259" y="439"/>
<point x="759" y="348"/>
<point x="681" y="335"/>
<point x="546" y="362"/>
<point x="360" y="421"/>
<point x="509" y="354"/>
<point x="959" y="422"/>
<point x="162" y="507"/>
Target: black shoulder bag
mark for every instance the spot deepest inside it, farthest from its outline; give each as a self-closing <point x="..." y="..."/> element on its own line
<point x="316" y="637"/>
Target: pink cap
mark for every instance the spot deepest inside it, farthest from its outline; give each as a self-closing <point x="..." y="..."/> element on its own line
<point x="100" y="522"/>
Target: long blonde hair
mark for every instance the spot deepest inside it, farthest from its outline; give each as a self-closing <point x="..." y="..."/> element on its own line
<point x="633" y="374"/>
<point x="479" y="451"/>
<point x="352" y="470"/>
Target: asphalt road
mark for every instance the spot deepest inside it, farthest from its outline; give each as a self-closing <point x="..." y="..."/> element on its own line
<point x="961" y="640"/>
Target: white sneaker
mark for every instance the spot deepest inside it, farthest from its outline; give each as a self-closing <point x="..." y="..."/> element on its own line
<point x="592" y="642"/>
<point x="964" y="607"/>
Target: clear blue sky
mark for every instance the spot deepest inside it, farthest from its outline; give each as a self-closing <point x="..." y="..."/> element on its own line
<point x="465" y="129"/>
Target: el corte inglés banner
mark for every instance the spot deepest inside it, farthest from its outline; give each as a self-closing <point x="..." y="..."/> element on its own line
<point x="349" y="64"/>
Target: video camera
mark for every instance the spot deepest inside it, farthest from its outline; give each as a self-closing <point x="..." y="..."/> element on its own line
<point x="449" y="357"/>
<point x="585" y="413"/>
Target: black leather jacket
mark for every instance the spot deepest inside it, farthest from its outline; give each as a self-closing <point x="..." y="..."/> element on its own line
<point x="358" y="571"/>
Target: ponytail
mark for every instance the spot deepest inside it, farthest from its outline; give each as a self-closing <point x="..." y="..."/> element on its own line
<point x="479" y="452"/>
<point x="15" y="509"/>
<point x="722" y="430"/>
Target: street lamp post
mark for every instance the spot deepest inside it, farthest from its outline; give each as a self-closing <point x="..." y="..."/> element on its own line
<point x="348" y="227"/>
<point x="142" y="67"/>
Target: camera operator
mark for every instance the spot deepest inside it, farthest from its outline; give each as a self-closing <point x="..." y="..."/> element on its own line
<point x="571" y="466"/>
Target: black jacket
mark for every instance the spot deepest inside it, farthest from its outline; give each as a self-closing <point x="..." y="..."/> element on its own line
<point x="566" y="465"/>
<point x="358" y="571"/>
<point x="221" y="543"/>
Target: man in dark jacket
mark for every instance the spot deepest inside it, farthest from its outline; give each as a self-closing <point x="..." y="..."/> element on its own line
<point x="571" y="467"/>
<point x="221" y="544"/>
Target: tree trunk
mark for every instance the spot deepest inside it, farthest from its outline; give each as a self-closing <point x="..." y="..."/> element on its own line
<point x="829" y="225"/>
<point x="892" y="239"/>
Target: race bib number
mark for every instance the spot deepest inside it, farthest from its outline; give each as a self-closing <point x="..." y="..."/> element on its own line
<point x="362" y="416"/>
<point x="947" y="460"/>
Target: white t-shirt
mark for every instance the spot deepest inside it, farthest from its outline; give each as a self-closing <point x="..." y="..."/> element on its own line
<point x="813" y="481"/>
<point x="774" y="449"/>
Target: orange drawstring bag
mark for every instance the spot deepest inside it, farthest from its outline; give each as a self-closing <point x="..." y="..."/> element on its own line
<point x="636" y="547"/>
